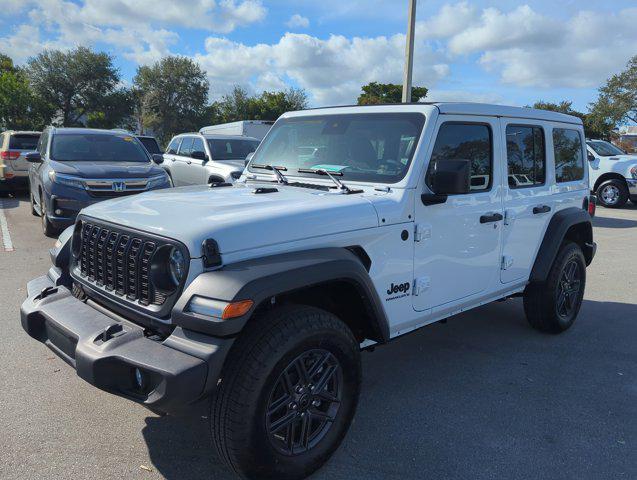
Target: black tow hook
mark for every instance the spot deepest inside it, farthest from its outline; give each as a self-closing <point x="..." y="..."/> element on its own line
<point x="111" y="331"/>
<point x="46" y="292"/>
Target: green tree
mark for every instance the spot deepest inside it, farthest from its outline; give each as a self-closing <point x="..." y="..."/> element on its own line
<point x="117" y="111"/>
<point x="20" y="108"/>
<point x="76" y="83"/>
<point x="618" y="97"/>
<point x="594" y="127"/>
<point x="239" y="105"/>
<point x="172" y="96"/>
<point x="376" y="93"/>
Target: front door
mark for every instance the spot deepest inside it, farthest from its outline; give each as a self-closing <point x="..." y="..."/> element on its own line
<point x="528" y="202"/>
<point x="458" y="242"/>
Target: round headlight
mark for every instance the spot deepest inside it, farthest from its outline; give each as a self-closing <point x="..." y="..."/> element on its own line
<point x="177" y="265"/>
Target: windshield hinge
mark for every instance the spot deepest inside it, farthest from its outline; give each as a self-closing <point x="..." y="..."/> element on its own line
<point x="422" y="232"/>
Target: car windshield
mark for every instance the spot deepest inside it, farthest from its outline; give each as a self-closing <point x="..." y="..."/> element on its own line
<point x="23" y="141"/>
<point x="369" y="147"/>
<point x="231" y="149"/>
<point x="605" y="149"/>
<point x="150" y="144"/>
<point x="96" y="147"/>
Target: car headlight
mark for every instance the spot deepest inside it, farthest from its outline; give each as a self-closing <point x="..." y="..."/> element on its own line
<point x="157" y="182"/>
<point x="177" y="266"/>
<point x="67" y="180"/>
<point x="633" y="172"/>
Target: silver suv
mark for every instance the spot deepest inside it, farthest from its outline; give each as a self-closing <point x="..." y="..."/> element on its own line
<point x="195" y="159"/>
<point x="14" y="169"/>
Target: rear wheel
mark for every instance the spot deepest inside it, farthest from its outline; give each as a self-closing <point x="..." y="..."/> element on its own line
<point x="612" y="194"/>
<point x="288" y="394"/>
<point x="552" y="306"/>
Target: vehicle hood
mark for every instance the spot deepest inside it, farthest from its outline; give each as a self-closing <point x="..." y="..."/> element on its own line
<point x="89" y="169"/>
<point x="237" y="217"/>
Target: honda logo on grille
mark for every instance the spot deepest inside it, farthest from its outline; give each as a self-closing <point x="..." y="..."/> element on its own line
<point x="119" y="186"/>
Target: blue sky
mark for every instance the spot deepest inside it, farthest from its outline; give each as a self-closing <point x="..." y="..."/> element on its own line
<point x="501" y="51"/>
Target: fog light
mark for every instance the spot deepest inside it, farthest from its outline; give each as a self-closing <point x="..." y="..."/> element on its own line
<point x="58" y="211"/>
<point x="139" y="379"/>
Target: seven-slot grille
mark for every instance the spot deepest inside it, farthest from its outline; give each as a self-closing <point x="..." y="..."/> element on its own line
<point x="119" y="262"/>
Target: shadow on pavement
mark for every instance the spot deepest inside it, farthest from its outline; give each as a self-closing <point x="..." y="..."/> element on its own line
<point x="609" y="222"/>
<point x="482" y="396"/>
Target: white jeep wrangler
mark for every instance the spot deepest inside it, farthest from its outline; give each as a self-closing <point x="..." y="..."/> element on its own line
<point x="613" y="174"/>
<point x="350" y="227"/>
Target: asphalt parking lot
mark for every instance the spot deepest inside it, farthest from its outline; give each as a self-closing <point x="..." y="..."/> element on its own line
<point x="480" y="397"/>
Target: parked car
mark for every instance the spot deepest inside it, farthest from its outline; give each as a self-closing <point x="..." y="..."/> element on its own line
<point x="150" y="144"/>
<point x="195" y="159"/>
<point x="613" y="174"/>
<point x="76" y="167"/>
<point x="258" y="296"/>
<point x="13" y="166"/>
<point x="246" y="128"/>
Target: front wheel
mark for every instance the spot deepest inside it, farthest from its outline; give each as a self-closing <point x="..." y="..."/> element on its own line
<point x="613" y="194"/>
<point x="288" y="394"/>
<point x="47" y="228"/>
<point x="552" y="306"/>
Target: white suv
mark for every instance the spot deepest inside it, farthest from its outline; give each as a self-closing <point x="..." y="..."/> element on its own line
<point x="196" y="159"/>
<point x="350" y="227"/>
<point x="613" y="174"/>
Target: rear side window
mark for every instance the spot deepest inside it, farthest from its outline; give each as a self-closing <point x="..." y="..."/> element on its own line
<point x="526" y="156"/>
<point x="173" y="146"/>
<point x="150" y="144"/>
<point x="569" y="157"/>
<point x="186" y="147"/>
<point x="23" y="142"/>
<point x="467" y="141"/>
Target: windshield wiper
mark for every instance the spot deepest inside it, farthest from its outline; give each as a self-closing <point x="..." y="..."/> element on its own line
<point x="322" y="171"/>
<point x="277" y="171"/>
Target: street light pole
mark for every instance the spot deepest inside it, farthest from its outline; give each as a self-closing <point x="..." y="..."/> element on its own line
<point x="409" y="52"/>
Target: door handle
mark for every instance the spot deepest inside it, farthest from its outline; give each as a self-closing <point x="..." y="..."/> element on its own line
<point x="541" y="209"/>
<point x="189" y="162"/>
<point x="491" y="217"/>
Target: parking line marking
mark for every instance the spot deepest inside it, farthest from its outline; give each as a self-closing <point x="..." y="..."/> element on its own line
<point x="4" y="230"/>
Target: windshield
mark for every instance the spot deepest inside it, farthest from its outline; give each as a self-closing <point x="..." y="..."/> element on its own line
<point x="150" y="144"/>
<point x="232" y="149"/>
<point x="605" y="149"/>
<point x="96" y="147"/>
<point x="369" y="147"/>
<point x="23" y="141"/>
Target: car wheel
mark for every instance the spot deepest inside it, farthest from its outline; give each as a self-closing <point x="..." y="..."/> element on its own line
<point x="612" y="194"/>
<point x="553" y="305"/>
<point x="288" y="394"/>
<point x="47" y="228"/>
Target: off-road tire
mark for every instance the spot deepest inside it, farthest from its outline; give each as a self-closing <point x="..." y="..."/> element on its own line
<point x="47" y="228"/>
<point x="255" y="366"/>
<point x="621" y="191"/>
<point x="541" y="299"/>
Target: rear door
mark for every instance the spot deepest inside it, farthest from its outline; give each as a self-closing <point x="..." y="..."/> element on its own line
<point x="182" y="163"/>
<point x="22" y="143"/>
<point x="528" y="202"/>
<point x="170" y="157"/>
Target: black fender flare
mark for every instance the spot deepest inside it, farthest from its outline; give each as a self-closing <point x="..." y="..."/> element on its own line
<point x="555" y="233"/>
<point x="263" y="278"/>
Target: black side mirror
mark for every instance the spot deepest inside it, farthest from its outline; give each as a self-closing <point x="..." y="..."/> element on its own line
<point x="448" y="177"/>
<point x="158" y="158"/>
<point x="33" y="157"/>
<point x="590" y="156"/>
<point x="248" y="158"/>
<point x="199" y="155"/>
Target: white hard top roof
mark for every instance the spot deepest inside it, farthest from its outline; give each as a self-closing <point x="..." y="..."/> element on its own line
<point x="449" y="108"/>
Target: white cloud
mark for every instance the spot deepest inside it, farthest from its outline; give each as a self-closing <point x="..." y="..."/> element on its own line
<point x="298" y="21"/>
<point x="332" y="70"/>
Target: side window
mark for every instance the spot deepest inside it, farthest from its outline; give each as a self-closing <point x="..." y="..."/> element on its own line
<point x="569" y="159"/>
<point x="185" y="148"/>
<point x="173" y="146"/>
<point x="197" y="145"/>
<point x="526" y="156"/>
<point x="467" y="141"/>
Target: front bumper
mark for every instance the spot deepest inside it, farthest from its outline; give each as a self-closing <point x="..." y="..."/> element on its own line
<point x="106" y="351"/>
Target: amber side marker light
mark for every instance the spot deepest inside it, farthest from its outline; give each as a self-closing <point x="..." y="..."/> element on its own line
<point x="236" y="309"/>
